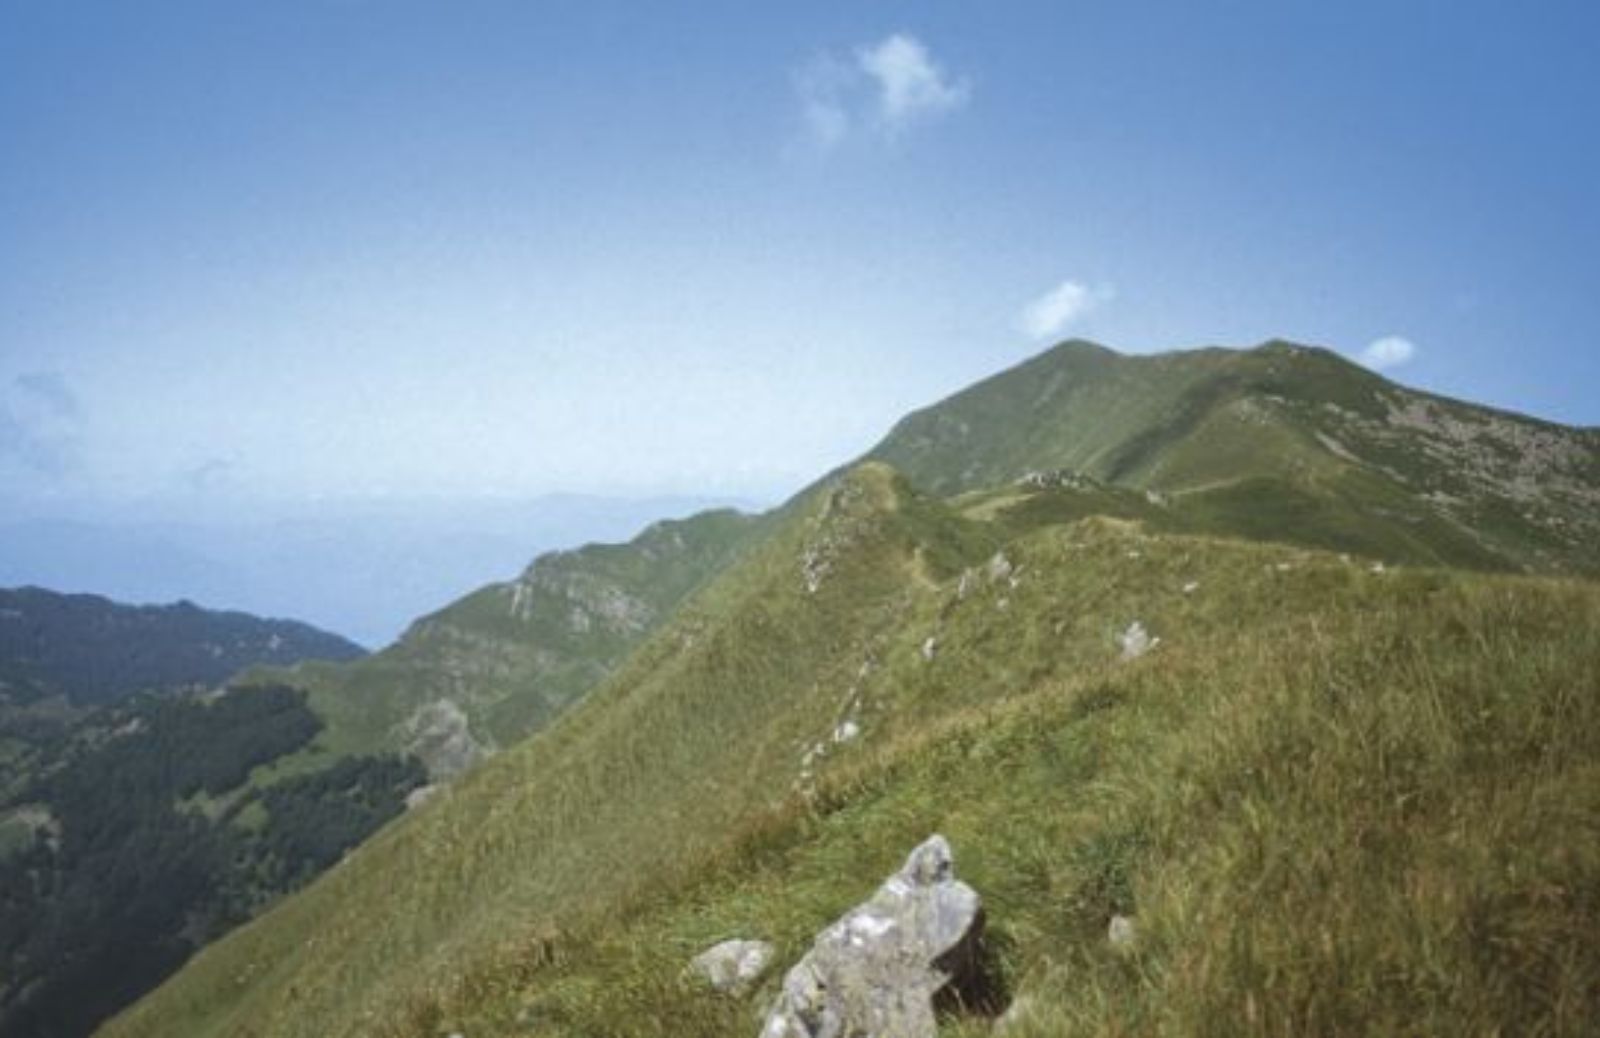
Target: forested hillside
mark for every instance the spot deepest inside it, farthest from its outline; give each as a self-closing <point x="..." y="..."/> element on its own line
<point x="88" y="650"/>
<point x="131" y="837"/>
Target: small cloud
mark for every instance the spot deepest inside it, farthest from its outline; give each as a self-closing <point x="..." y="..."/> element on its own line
<point x="1391" y="351"/>
<point x="211" y="476"/>
<point x="824" y="89"/>
<point x="41" y="428"/>
<point x="1061" y="307"/>
<point x="911" y="87"/>
<point x="886" y="89"/>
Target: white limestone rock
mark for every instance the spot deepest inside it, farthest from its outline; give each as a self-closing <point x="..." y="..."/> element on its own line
<point x="876" y="971"/>
<point x="733" y="966"/>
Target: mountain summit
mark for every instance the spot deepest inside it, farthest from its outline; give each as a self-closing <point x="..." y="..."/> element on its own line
<point x="1289" y="441"/>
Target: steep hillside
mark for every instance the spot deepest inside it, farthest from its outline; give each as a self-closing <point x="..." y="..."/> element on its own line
<point x="1283" y="441"/>
<point x="502" y="661"/>
<point x="111" y="716"/>
<point x="89" y="650"/>
<point x="134" y="833"/>
<point x="1335" y="799"/>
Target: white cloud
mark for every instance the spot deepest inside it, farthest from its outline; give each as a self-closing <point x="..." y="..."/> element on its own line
<point x="1391" y="351"/>
<point x="910" y="85"/>
<point x="886" y="89"/>
<point x="824" y="88"/>
<point x="1061" y="307"/>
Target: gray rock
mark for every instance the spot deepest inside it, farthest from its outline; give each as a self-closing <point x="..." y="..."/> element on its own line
<point x="1136" y="641"/>
<point x="440" y="735"/>
<point x="875" y="972"/>
<point x="732" y="966"/>
<point x="421" y="795"/>
<point x="1121" y="932"/>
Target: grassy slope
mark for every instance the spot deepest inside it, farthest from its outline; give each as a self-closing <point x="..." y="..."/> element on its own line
<point x="1334" y="800"/>
<point x="511" y="656"/>
<point x="1265" y="436"/>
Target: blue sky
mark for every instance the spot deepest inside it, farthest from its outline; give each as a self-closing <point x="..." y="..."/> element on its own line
<point x="290" y="252"/>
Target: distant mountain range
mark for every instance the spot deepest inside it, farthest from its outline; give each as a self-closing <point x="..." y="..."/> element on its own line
<point x="362" y="568"/>
<point x="1253" y="647"/>
<point x="90" y="650"/>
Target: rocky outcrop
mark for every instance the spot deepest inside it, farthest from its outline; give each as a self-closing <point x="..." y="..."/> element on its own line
<point x="438" y="734"/>
<point x="1136" y="641"/>
<point x="732" y="966"/>
<point x="878" y="971"/>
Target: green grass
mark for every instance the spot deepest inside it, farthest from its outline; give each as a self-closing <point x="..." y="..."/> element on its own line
<point x="1334" y="801"/>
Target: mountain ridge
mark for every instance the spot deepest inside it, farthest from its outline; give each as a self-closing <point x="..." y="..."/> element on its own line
<point x="500" y="661"/>
<point x="93" y="650"/>
<point x="1385" y="456"/>
<point x="949" y="648"/>
<point x="877" y="656"/>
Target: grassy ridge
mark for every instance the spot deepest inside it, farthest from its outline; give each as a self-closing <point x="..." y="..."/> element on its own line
<point x="511" y="656"/>
<point x="1267" y="437"/>
<point x="1392" y="781"/>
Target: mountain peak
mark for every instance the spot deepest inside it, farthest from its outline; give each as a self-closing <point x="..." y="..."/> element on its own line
<point x="1433" y="479"/>
<point x="1082" y="347"/>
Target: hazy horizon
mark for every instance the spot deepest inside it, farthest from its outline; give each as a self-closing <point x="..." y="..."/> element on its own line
<point x="304" y="258"/>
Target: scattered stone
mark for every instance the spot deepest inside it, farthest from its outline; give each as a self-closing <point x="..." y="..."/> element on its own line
<point x="421" y="795"/>
<point x="846" y="732"/>
<point x="814" y="565"/>
<point x="1377" y="567"/>
<point x="999" y="566"/>
<point x="1135" y="554"/>
<point x="1121" y="932"/>
<point x="733" y="966"/>
<point x="929" y="646"/>
<point x="877" y="970"/>
<point x="1136" y="641"/>
<point x="1284" y="567"/>
<point x="1191" y="587"/>
<point x="969" y="580"/>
